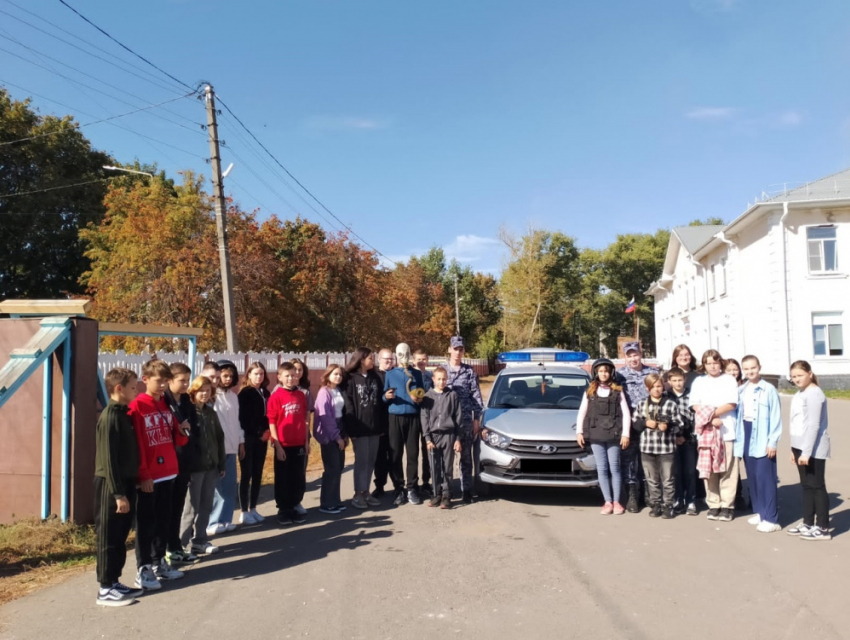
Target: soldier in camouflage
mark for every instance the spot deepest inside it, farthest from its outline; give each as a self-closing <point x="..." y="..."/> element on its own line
<point x="631" y="377"/>
<point x="464" y="382"/>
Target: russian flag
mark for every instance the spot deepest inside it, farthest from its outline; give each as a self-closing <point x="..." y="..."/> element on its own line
<point x="631" y="307"/>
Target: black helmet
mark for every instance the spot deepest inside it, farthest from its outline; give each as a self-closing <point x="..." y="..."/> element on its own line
<point x="227" y="364"/>
<point x="598" y="363"/>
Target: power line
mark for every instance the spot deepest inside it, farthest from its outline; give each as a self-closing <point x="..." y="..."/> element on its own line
<point x="86" y="124"/>
<point x="306" y="190"/>
<point x="242" y="124"/>
<point x="123" y="46"/>
<point x="114" y="124"/>
<point x="64" y="64"/>
<point x="88" y="53"/>
<point x="65" y="186"/>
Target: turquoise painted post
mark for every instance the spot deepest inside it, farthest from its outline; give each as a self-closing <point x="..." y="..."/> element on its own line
<point x="46" y="437"/>
<point x="193" y="350"/>
<point x="66" y="429"/>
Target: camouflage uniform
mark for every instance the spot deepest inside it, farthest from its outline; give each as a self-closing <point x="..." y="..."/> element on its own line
<point x="464" y="382"/>
<point x="633" y="383"/>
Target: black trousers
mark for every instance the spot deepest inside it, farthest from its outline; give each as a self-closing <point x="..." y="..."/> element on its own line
<point x="290" y="478"/>
<point x="178" y="498"/>
<point x="153" y="516"/>
<point x="251" y="478"/>
<point x="426" y="463"/>
<point x="112" y="529"/>
<point x="404" y="436"/>
<point x="382" y="462"/>
<point x="815" y="496"/>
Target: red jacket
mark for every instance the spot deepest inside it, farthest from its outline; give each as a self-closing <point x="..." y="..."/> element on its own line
<point x="287" y="414"/>
<point x="157" y="432"/>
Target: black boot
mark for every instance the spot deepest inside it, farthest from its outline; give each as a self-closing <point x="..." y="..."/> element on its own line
<point x="632" y="504"/>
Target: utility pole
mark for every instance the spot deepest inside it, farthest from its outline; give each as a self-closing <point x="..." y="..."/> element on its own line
<point x="221" y="222"/>
<point x="457" y="310"/>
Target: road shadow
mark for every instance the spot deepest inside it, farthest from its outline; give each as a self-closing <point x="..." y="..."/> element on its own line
<point x="284" y="548"/>
<point x="790" y="498"/>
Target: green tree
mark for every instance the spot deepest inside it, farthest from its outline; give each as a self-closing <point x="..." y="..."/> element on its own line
<point x="707" y="221"/>
<point x="630" y="264"/>
<point x="538" y="288"/>
<point x="477" y="293"/>
<point x="39" y="223"/>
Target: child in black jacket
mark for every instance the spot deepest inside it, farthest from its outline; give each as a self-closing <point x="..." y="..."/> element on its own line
<point x="116" y="468"/>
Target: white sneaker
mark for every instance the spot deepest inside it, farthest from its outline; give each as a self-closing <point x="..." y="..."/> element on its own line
<point x="247" y="518"/>
<point x="230" y="527"/>
<point x="754" y="519"/>
<point x="216" y="529"/>
<point x="165" y="571"/>
<point x="206" y="548"/>
<point x="768" y="527"/>
<point x="257" y="516"/>
<point x="146" y="579"/>
<point x="300" y="510"/>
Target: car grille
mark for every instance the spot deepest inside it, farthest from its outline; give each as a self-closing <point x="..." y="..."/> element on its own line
<point x="526" y="448"/>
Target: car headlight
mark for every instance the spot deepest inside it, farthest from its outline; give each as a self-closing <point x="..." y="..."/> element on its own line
<point x="495" y="439"/>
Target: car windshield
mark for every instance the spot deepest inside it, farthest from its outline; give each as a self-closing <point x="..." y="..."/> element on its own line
<point x="538" y="391"/>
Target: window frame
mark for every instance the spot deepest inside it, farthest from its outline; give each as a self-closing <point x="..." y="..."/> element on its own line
<point x="820" y="243"/>
<point x="826" y="321"/>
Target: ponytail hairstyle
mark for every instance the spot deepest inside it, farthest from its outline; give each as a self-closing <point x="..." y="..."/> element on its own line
<point x="802" y="365"/>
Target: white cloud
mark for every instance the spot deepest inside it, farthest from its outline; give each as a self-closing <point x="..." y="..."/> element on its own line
<point x="789" y="118"/>
<point x="344" y="123"/>
<point x="711" y="113"/>
<point x="472" y="248"/>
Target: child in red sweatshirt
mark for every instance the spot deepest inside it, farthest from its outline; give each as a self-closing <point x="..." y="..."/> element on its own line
<point x="157" y="433"/>
<point x="287" y="414"/>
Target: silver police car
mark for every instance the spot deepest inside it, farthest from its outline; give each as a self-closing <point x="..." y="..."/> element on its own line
<point x="529" y="424"/>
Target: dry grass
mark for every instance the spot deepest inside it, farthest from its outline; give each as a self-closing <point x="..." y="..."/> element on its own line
<point x="35" y="553"/>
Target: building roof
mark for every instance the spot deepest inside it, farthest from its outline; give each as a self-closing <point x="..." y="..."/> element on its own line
<point x="694" y="238"/>
<point x="831" y="187"/>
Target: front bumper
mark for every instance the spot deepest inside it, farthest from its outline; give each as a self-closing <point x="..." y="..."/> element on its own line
<point x="505" y="468"/>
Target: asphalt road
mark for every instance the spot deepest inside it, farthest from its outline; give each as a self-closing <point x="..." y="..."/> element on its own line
<point x="528" y="563"/>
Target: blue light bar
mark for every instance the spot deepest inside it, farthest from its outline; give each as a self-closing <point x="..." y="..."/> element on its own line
<point x="572" y="356"/>
<point x="531" y="356"/>
<point x="513" y="356"/>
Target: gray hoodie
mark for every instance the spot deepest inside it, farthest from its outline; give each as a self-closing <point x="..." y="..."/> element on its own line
<point x="809" y="423"/>
<point x="441" y="413"/>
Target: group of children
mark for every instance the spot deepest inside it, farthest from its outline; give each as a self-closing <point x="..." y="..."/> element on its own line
<point x="703" y="431"/>
<point x="166" y="462"/>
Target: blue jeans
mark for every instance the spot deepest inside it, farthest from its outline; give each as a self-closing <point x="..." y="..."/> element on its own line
<point x="225" y="493"/>
<point x="607" y="456"/>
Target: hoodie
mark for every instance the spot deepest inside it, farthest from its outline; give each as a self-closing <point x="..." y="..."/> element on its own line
<point x="157" y="433"/>
<point x="364" y="410"/>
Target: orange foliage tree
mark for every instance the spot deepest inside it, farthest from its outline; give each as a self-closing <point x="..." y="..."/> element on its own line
<point x="154" y="259"/>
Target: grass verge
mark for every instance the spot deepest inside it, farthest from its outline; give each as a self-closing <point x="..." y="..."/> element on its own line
<point x="35" y="553"/>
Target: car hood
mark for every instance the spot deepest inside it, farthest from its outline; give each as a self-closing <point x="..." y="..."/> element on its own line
<point x="532" y="424"/>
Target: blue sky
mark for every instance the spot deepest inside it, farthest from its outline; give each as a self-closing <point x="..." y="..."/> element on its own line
<point x="437" y="123"/>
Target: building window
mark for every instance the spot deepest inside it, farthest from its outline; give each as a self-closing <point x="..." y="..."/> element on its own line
<point x="721" y="279"/>
<point x="828" y="334"/>
<point x="693" y="294"/>
<point x="822" y="254"/>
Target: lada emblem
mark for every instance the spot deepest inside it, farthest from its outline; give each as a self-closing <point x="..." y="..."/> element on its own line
<point x="547" y="448"/>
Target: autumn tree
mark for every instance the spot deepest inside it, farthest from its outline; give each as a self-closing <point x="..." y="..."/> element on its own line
<point x="41" y="213"/>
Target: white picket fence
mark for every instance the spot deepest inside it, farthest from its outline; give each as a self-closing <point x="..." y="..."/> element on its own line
<point x="271" y="361"/>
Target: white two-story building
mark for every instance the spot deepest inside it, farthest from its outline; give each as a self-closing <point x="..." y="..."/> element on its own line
<point x="773" y="283"/>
